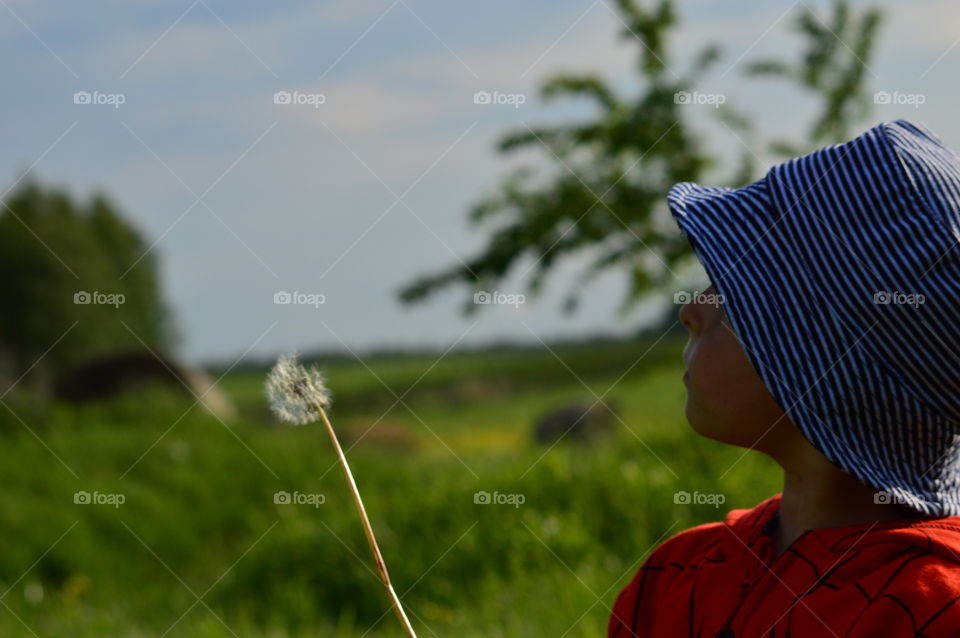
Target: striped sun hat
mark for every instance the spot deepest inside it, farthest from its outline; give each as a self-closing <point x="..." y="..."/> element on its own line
<point x="840" y="274"/>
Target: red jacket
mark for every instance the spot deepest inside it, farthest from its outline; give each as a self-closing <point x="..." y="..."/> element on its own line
<point x="858" y="581"/>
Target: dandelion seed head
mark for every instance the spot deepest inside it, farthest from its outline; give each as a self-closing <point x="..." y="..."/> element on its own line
<point x="296" y="394"/>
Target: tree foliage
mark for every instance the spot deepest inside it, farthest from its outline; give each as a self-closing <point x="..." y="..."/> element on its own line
<point x="56" y="254"/>
<point x="605" y="197"/>
<point x="833" y="68"/>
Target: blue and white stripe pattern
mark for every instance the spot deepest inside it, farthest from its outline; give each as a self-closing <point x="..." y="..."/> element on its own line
<point x="840" y="272"/>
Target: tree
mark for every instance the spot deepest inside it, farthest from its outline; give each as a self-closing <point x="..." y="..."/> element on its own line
<point x="833" y="68"/>
<point x="64" y="263"/>
<point x="606" y="197"/>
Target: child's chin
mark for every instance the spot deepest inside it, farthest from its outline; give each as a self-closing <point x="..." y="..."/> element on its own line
<point x="700" y="423"/>
<point x="711" y="428"/>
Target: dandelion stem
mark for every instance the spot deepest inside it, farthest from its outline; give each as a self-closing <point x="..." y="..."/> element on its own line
<point x="367" y="529"/>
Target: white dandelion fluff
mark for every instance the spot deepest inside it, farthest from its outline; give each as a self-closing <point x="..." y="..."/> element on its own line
<point x="299" y="395"/>
<point x="296" y="394"/>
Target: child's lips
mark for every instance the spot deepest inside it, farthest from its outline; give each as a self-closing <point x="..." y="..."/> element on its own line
<point x="686" y="376"/>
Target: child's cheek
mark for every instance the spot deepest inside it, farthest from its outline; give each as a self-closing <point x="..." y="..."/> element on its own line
<point x="721" y="378"/>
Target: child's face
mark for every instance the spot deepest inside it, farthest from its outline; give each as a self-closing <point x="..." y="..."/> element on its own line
<point x="726" y="400"/>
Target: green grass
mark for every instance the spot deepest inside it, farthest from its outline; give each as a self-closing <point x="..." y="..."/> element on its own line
<point x="200" y="517"/>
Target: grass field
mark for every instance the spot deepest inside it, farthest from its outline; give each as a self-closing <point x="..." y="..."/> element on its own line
<point x="199" y="548"/>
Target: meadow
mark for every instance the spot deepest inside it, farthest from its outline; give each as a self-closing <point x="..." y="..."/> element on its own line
<point x="199" y="547"/>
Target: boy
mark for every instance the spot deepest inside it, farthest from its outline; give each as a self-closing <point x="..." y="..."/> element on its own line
<point x="834" y="348"/>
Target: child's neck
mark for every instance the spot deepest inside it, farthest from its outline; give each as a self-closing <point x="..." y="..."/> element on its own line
<point x="822" y="495"/>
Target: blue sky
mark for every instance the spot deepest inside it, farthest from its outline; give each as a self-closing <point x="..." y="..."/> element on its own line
<point x="243" y="197"/>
